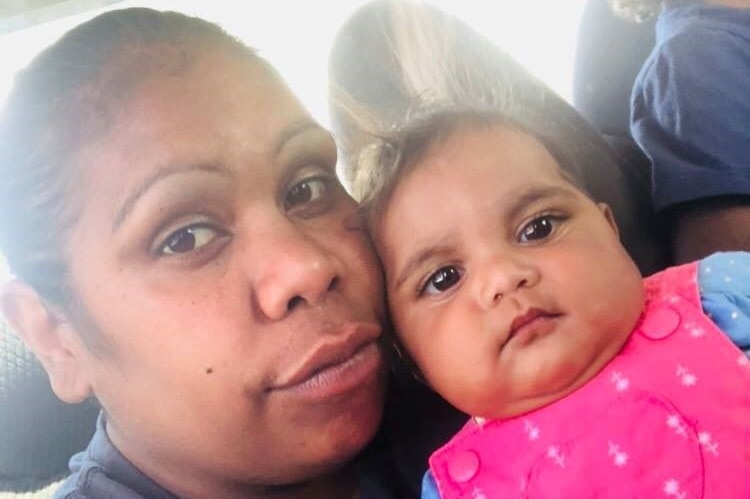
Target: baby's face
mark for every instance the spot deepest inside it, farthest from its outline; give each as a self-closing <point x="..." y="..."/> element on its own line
<point x="507" y="285"/>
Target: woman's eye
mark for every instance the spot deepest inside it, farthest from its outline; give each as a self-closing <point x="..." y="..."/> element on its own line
<point x="307" y="191"/>
<point x="189" y="239"/>
<point x="538" y="228"/>
<point x="442" y="280"/>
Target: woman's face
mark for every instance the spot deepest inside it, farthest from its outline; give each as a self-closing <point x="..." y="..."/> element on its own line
<point x="220" y="261"/>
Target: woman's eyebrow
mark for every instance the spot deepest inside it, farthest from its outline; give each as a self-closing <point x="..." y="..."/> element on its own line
<point x="300" y="128"/>
<point x="146" y="184"/>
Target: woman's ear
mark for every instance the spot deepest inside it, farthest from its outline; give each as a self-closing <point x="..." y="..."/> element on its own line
<point x="607" y="212"/>
<point x="53" y="340"/>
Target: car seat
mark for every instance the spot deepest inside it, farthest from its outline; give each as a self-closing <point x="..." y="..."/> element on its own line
<point x="38" y="432"/>
<point x="609" y="54"/>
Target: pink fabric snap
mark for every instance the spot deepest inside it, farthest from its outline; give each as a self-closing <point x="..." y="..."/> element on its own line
<point x="463" y="466"/>
<point x="660" y="323"/>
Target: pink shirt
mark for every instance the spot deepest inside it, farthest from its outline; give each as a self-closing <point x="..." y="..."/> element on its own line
<point x="659" y="421"/>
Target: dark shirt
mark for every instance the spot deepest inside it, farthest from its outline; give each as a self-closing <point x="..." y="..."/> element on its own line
<point x="416" y="422"/>
<point x="102" y="472"/>
<point x="691" y="104"/>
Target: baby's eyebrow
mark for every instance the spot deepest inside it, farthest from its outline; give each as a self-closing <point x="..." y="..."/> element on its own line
<point x="517" y="205"/>
<point x="418" y="259"/>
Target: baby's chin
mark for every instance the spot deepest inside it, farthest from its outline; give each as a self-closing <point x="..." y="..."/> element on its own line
<point x="514" y="408"/>
<point x="536" y="393"/>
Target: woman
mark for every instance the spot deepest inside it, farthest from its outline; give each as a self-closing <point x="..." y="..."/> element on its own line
<point x="185" y="254"/>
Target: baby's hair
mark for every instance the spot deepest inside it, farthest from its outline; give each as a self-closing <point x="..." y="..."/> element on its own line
<point x="404" y="149"/>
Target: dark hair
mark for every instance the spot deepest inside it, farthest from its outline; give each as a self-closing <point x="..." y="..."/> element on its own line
<point x="403" y="149"/>
<point x="637" y="10"/>
<point x="66" y="95"/>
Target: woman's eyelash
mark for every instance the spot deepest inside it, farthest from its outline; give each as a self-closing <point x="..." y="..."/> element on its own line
<point x="307" y="190"/>
<point x="313" y="195"/>
<point x="189" y="239"/>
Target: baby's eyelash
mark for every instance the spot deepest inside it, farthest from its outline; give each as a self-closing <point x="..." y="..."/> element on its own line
<point x="549" y="220"/>
<point x="451" y="275"/>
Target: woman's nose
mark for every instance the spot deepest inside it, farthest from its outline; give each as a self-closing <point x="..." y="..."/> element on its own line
<point x="502" y="276"/>
<point x="298" y="272"/>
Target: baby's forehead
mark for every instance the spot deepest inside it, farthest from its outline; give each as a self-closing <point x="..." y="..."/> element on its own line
<point x="555" y="142"/>
<point x="505" y="147"/>
<point x="497" y="155"/>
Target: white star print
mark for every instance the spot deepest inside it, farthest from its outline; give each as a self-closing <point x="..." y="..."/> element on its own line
<point x="674" y="422"/>
<point x="672" y="488"/>
<point x="555" y="454"/>
<point x="619" y="458"/>
<point x="531" y="430"/>
<point x="620" y="381"/>
<point x="708" y="443"/>
<point x="686" y="377"/>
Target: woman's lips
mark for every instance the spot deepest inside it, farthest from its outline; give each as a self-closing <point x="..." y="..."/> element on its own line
<point x="341" y="361"/>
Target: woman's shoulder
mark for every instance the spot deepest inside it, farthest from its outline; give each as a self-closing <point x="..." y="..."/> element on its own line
<point x="415" y="424"/>
<point x="102" y="471"/>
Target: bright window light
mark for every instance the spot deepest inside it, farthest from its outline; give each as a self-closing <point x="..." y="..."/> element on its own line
<point x="296" y="36"/>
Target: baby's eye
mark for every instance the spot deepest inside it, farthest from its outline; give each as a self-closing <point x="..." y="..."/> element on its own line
<point x="189" y="239"/>
<point x="307" y="191"/>
<point x="441" y="280"/>
<point x="538" y="228"/>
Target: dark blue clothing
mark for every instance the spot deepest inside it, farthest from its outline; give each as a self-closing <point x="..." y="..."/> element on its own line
<point x="690" y="107"/>
<point x="102" y="472"/>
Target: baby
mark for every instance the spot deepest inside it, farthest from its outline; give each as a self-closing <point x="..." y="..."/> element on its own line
<point x="511" y="293"/>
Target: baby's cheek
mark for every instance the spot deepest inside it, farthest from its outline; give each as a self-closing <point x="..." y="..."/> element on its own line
<point x="410" y="331"/>
<point x="440" y="346"/>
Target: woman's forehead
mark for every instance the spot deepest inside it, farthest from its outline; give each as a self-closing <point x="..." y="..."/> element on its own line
<point x="218" y="96"/>
<point x="227" y="113"/>
<point x="212" y="74"/>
